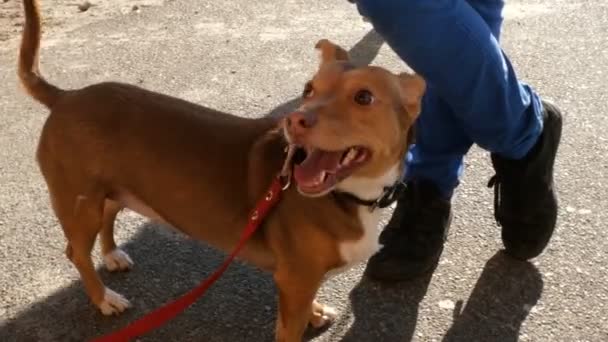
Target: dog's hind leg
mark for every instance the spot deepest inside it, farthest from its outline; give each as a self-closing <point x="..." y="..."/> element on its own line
<point x="114" y="258"/>
<point x="81" y="215"/>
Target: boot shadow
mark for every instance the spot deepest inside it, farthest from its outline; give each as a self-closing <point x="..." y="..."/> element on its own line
<point x="500" y="302"/>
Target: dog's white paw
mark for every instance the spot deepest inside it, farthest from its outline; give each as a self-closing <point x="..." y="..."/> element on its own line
<point x="113" y="303"/>
<point x="117" y="260"/>
<point x="323" y="315"/>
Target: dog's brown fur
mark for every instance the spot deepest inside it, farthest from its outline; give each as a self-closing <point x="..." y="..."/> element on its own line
<point x="110" y="145"/>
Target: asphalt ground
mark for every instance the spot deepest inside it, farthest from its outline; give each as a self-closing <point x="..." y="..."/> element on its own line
<point x="252" y="58"/>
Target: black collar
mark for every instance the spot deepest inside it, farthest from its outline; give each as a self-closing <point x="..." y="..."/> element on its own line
<point x="388" y="197"/>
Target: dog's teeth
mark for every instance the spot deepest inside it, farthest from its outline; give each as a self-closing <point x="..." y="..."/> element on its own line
<point x="350" y="155"/>
<point x="360" y="156"/>
<point x="320" y="178"/>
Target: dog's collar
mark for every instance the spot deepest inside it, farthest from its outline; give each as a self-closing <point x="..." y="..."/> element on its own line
<point x="390" y="194"/>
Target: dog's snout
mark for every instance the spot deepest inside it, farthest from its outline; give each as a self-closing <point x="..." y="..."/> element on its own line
<point x="298" y="121"/>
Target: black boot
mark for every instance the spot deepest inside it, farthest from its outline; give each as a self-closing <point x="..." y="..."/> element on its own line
<point x="525" y="204"/>
<point x="413" y="238"/>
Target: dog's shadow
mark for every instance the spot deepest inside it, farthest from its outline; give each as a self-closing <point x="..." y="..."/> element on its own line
<point x="498" y="305"/>
<point x="241" y="306"/>
<point x="166" y="266"/>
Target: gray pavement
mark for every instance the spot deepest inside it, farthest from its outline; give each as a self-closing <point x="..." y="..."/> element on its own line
<point x="252" y="58"/>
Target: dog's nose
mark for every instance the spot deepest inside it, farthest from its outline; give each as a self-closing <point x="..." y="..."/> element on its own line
<point x="298" y="121"/>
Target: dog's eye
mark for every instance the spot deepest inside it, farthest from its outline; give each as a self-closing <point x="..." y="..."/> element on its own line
<point x="308" y="90"/>
<point x="364" y="97"/>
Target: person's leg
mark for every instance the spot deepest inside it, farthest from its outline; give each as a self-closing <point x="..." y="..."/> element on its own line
<point x="525" y="201"/>
<point x="413" y="239"/>
<point x="414" y="236"/>
<point x="441" y="139"/>
<point x="449" y="43"/>
<point x="441" y="143"/>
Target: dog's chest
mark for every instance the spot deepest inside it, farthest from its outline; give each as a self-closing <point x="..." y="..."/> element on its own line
<point x="355" y="251"/>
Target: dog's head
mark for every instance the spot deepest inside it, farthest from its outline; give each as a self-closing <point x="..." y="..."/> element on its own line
<point x="353" y="127"/>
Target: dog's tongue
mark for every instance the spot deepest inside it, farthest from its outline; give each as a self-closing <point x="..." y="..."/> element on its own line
<point x="308" y="172"/>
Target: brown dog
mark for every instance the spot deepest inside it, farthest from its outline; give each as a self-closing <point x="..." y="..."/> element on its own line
<point x="111" y="146"/>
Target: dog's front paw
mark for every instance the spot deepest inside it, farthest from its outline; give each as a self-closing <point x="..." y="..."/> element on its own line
<point x="117" y="260"/>
<point x="322" y="315"/>
<point x="113" y="303"/>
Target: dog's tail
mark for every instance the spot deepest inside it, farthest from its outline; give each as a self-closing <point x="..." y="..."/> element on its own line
<point x="29" y="74"/>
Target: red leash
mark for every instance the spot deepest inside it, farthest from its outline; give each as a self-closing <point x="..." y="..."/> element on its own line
<point x="161" y="315"/>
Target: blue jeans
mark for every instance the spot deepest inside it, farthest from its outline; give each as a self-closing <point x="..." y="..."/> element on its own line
<point x="473" y="93"/>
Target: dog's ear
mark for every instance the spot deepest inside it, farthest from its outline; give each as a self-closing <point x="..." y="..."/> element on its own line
<point x="412" y="88"/>
<point x="330" y="52"/>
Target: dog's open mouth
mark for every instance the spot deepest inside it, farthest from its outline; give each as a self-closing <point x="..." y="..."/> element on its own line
<point x="318" y="171"/>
